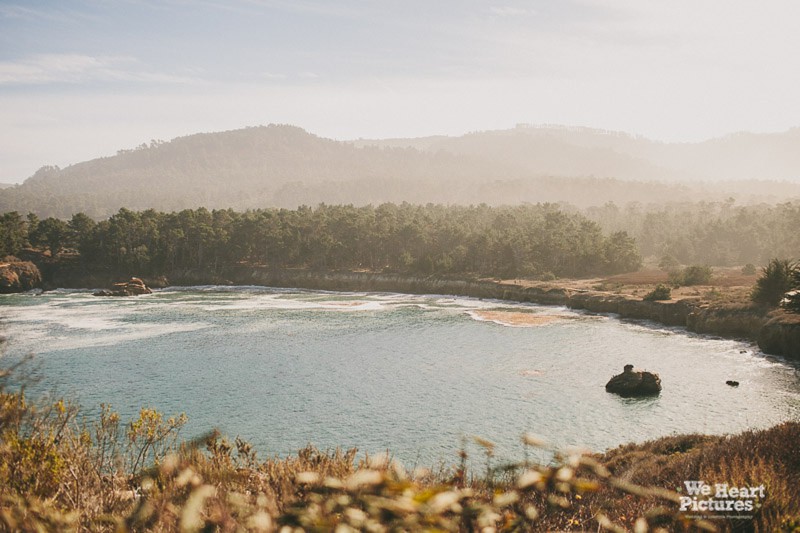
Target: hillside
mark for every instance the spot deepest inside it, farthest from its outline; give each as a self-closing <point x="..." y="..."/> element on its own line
<point x="252" y="167"/>
<point x="285" y="166"/>
<point x="566" y="151"/>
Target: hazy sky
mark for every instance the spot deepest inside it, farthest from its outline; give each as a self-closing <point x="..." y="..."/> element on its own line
<point x="83" y="78"/>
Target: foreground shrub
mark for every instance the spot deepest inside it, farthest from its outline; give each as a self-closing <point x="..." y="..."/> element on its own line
<point x="776" y="279"/>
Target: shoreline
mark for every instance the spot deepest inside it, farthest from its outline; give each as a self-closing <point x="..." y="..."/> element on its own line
<point x="774" y="331"/>
<point x="774" y="335"/>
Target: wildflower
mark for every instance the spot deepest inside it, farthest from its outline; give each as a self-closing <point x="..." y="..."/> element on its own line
<point x="364" y="477"/>
<point x="529" y="478"/>
<point x="307" y="478"/>
<point x="505" y="499"/>
<point x="261" y="521"/>
<point x="443" y="501"/>
<point x="532" y="440"/>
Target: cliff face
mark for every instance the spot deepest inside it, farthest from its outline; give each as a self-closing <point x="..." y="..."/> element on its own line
<point x="668" y="313"/>
<point x="777" y="333"/>
<point x="19" y="276"/>
<point x="781" y="335"/>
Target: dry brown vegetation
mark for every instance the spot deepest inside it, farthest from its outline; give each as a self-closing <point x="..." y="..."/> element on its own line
<point x="728" y="285"/>
<point x="737" y="286"/>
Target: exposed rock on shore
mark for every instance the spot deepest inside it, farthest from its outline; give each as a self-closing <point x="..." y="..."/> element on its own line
<point x="134" y="287"/>
<point x="634" y="383"/>
<point x="19" y="276"/>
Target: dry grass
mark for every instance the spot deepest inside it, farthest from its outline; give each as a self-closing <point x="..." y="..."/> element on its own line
<point x="770" y="457"/>
<point x="721" y="277"/>
<point x="785" y="317"/>
<point x="728" y="285"/>
<point x="642" y="277"/>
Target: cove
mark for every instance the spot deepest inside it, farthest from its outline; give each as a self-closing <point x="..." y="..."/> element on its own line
<point x="413" y="374"/>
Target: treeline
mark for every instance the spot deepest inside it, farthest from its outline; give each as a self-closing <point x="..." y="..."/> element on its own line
<point x="707" y="233"/>
<point x="486" y="240"/>
<point x="534" y="240"/>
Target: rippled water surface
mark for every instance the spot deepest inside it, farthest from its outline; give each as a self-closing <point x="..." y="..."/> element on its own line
<point x="414" y="374"/>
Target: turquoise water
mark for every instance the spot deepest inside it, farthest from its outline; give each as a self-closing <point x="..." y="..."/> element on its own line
<point x="412" y="374"/>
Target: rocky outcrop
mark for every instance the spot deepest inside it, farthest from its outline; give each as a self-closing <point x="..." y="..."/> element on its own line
<point x="777" y="333"/>
<point x="730" y="322"/>
<point x="781" y="335"/>
<point x="134" y="287"/>
<point x="634" y="383"/>
<point x="19" y="276"/>
<point x="671" y="313"/>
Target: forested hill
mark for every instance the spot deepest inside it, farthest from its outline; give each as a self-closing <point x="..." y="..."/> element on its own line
<point x="285" y="166"/>
<point x="252" y="167"/>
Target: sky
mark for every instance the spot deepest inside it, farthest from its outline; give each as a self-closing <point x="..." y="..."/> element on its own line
<point x="81" y="79"/>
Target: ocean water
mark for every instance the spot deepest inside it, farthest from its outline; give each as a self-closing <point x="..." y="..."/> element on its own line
<point x="416" y="375"/>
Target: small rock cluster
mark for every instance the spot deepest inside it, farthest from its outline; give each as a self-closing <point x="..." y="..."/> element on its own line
<point x="134" y="287"/>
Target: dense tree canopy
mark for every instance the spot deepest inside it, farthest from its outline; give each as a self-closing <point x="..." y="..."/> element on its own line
<point x="431" y="239"/>
<point x="528" y="240"/>
<point x="707" y="233"/>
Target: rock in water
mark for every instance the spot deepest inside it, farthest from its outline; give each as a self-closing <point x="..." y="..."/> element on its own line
<point x="134" y="287"/>
<point x="634" y="383"/>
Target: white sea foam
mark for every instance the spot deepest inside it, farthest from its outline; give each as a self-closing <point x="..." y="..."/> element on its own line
<point x="267" y="302"/>
<point x="88" y="317"/>
<point x="132" y="333"/>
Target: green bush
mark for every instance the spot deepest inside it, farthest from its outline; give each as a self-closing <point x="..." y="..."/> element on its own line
<point x="669" y="263"/>
<point x="661" y="292"/>
<point x="691" y="275"/>
<point x="696" y="275"/>
<point x="776" y="279"/>
<point x="749" y="269"/>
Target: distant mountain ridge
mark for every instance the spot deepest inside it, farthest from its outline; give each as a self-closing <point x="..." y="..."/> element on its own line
<point x="285" y="166"/>
<point x="572" y="151"/>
